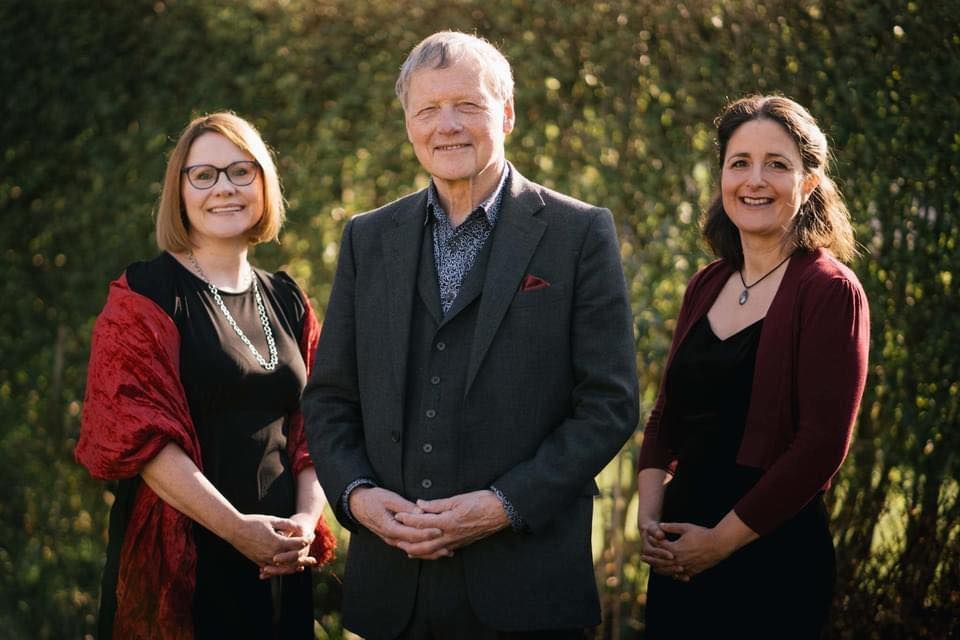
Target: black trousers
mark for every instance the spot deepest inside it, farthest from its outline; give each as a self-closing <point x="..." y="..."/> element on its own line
<point x="443" y="612"/>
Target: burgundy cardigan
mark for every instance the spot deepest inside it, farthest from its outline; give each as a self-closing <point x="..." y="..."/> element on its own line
<point x="810" y="372"/>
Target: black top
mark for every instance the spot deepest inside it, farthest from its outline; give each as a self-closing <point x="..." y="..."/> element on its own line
<point x="239" y="409"/>
<point x="241" y="413"/>
<point x="708" y="387"/>
<point x="778" y="586"/>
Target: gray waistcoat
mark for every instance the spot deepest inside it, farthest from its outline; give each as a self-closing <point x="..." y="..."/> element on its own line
<point x="436" y="376"/>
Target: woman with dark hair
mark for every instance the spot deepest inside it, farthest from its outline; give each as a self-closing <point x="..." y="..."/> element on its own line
<point x="192" y="403"/>
<point x="762" y="387"/>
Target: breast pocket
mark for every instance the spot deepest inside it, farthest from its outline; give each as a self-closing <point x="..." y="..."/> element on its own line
<point x="538" y="297"/>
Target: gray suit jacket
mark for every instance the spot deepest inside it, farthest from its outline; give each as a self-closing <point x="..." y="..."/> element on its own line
<point x="551" y="396"/>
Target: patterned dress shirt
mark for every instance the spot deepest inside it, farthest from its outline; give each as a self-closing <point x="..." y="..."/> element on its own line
<point x="455" y="249"/>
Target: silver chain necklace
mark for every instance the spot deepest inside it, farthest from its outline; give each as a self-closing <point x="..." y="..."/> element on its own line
<point x="271" y="345"/>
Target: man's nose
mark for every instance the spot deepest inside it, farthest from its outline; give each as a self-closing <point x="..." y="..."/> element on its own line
<point x="449" y="120"/>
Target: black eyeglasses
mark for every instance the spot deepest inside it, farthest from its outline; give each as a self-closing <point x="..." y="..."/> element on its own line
<point x="240" y="173"/>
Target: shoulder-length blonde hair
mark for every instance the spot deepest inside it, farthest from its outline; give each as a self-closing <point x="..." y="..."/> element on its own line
<point x="172" y="223"/>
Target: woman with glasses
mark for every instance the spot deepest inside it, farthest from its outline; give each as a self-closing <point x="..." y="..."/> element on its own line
<point x="192" y="404"/>
<point x="760" y="392"/>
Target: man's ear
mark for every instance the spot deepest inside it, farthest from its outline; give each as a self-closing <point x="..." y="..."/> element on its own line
<point x="509" y="116"/>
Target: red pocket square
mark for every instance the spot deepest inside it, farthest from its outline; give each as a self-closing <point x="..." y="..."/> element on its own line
<point x="532" y="283"/>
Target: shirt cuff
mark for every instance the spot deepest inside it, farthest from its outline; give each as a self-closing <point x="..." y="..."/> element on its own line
<point x="345" y="498"/>
<point x="516" y="521"/>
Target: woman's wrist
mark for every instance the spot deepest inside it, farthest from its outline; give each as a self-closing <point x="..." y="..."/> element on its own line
<point x="731" y="533"/>
<point x="307" y="522"/>
<point x="310" y="498"/>
<point x="645" y="520"/>
<point x="229" y="528"/>
<point x="645" y="525"/>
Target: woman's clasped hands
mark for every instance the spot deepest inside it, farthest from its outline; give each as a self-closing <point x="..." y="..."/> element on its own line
<point x="681" y="550"/>
<point x="279" y="546"/>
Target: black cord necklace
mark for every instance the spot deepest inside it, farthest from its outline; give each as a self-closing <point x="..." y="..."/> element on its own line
<point x="745" y="294"/>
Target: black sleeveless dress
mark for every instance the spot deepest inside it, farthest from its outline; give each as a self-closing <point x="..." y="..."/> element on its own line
<point x="240" y="411"/>
<point x="779" y="586"/>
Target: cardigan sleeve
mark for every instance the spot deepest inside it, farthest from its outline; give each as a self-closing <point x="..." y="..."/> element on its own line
<point x="830" y="372"/>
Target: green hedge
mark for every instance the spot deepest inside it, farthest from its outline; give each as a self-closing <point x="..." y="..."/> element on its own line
<point x="614" y="102"/>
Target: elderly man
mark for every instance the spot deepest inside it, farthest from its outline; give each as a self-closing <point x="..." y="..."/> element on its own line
<point x="476" y="370"/>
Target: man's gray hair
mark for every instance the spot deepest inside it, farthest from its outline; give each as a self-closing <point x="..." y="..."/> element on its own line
<point x="444" y="49"/>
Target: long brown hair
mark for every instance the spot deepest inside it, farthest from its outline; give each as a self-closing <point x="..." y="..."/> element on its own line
<point x="822" y="221"/>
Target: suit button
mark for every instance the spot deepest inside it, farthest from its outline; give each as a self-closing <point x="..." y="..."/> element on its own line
<point x="431" y="413"/>
<point x="435" y="380"/>
<point x="426" y="483"/>
<point x="441" y="346"/>
<point x="427" y="448"/>
<point x="395" y="436"/>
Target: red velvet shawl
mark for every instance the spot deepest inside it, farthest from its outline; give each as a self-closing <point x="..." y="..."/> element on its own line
<point x="135" y="405"/>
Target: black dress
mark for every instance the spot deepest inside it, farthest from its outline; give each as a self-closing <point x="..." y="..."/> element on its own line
<point x="241" y="414"/>
<point x="780" y="585"/>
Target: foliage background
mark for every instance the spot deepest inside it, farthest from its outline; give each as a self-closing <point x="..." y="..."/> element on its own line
<point x="615" y="101"/>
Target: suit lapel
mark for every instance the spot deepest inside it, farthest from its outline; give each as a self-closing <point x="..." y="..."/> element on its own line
<point x="401" y="249"/>
<point x="427" y="285"/>
<point x="514" y="240"/>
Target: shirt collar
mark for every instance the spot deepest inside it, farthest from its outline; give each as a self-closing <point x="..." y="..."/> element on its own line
<point x="490" y="206"/>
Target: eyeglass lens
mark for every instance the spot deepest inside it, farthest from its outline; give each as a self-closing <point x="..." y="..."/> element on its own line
<point x="240" y="173"/>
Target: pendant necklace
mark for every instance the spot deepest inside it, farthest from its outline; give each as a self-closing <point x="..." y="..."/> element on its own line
<point x="271" y="345"/>
<point x="745" y="294"/>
